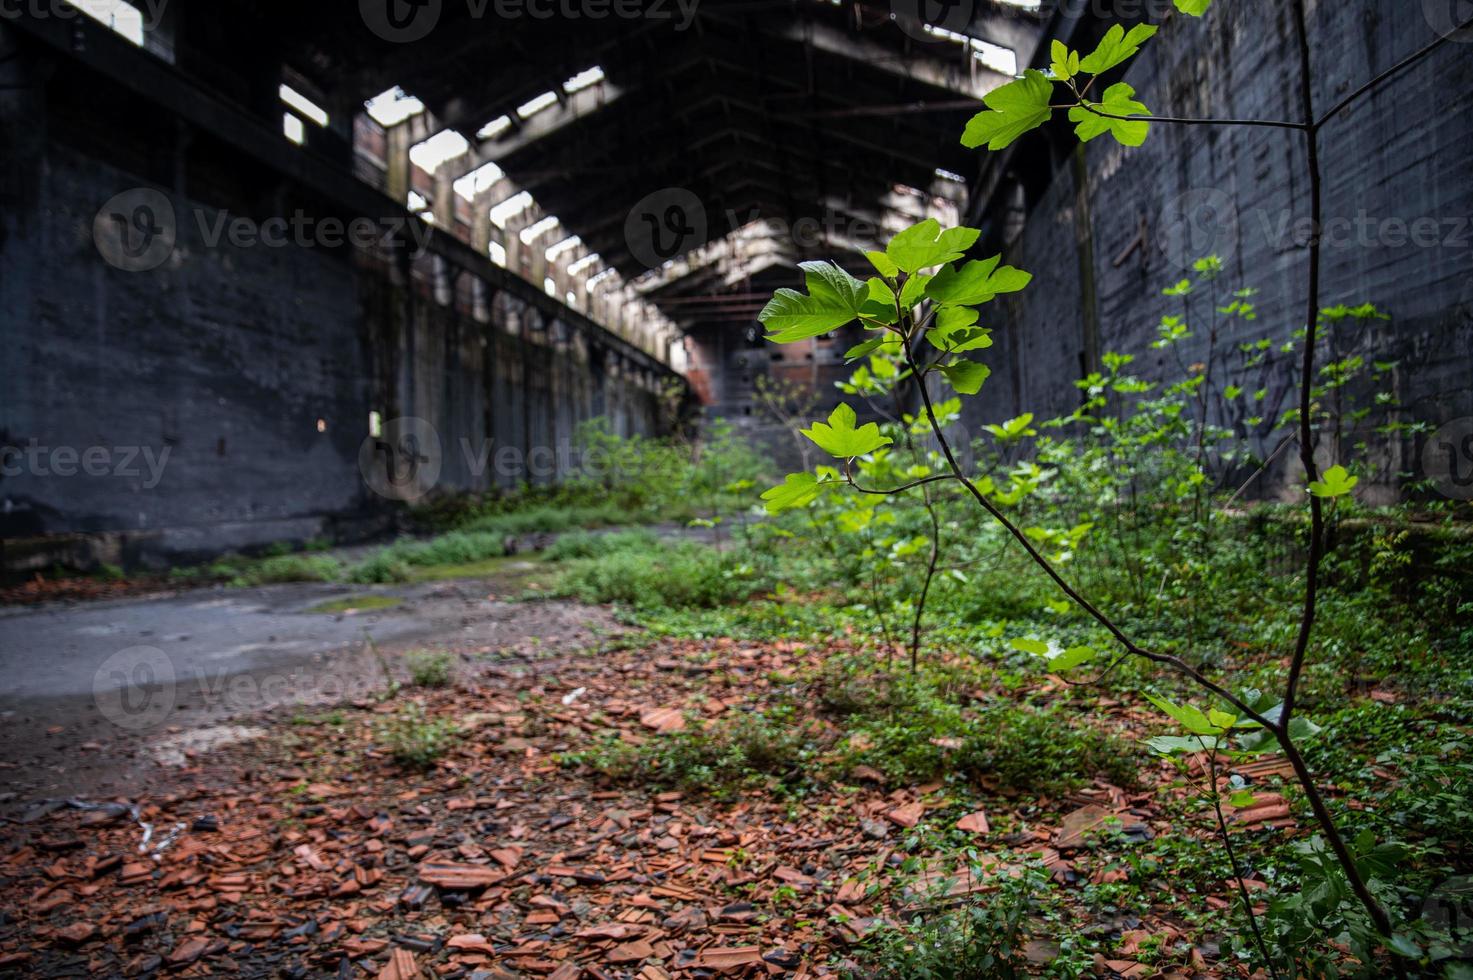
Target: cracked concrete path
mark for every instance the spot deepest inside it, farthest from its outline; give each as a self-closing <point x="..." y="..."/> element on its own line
<point x="88" y="686"/>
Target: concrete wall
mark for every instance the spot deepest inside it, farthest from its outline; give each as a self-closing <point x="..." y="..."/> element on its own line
<point x="220" y="400"/>
<point x="1397" y="158"/>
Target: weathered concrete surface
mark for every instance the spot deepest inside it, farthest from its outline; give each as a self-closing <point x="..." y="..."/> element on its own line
<point x="93" y="690"/>
<point x="224" y="395"/>
<point x="1398" y="199"/>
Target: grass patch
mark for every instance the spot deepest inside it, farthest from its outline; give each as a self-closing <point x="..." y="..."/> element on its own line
<point x="777" y="748"/>
<point x="429" y="668"/>
<point x="414" y="740"/>
<point x="671" y="576"/>
<point x="357" y="603"/>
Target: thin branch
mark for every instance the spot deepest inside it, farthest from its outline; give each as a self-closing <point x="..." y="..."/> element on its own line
<point x="900" y="489"/>
<point x="1269" y="123"/>
<point x="1404" y="63"/>
<point x="1232" y="856"/>
<point x="915" y="626"/>
<point x="1176" y="663"/>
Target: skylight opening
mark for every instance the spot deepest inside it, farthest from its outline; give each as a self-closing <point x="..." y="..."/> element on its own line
<point x="478" y="180"/>
<point x="537" y="229"/>
<point x="417" y="202"/>
<point x="948" y="175"/>
<point x="549" y="287"/>
<point x="558" y="248"/>
<point x="494" y="128"/>
<point x="303" y="106"/>
<point x="444" y="145"/>
<point x="598" y="280"/>
<point x="498" y="254"/>
<point x="121" y="18"/>
<point x="995" y="56"/>
<point x="393" y="107"/>
<point x="583" y="80"/>
<point x="587" y="261"/>
<point x="510" y="208"/>
<point x="294" y="129"/>
<point x="536" y="104"/>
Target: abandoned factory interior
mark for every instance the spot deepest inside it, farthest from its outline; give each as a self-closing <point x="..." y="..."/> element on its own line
<point x="674" y="489"/>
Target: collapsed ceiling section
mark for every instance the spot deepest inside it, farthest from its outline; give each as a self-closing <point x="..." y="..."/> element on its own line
<point x="678" y="156"/>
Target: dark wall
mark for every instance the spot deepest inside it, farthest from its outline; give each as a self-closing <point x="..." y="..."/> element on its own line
<point x="1395" y="158"/>
<point x="224" y="394"/>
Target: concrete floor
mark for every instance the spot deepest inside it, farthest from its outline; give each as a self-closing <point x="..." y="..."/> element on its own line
<point x="89" y="687"/>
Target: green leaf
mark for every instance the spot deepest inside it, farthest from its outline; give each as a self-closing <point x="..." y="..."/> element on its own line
<point x="924" y="244"/>
<point x="1036" y="647"/>
<point x="913" y="290"/>
<point x="979" y="281"/>
<point x="1334" y="482"/>
<point x="1116" y="46"/>
<point x="965" y="376"/>
<point x="1195" y="8"/>
<point x="882" y="264"/>
<point x="888" y="343"/>
<point x="1174" y="744"/>
<point x="1190" y="718"/>
<point x="840" y="437"/>
<point x="1119" y="101"/>
<point x="1063" y="63"/>
<point x="1013" y="429"/>
<point x="1242" y="798"/>
<point x="1072" y="657"/>
<point x="834" y="299"/>
<point x="1012" y="110"/>
<point x="797" y="490"/>
<point x="955" y="331"/>
<point x="1405" y="945"/>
